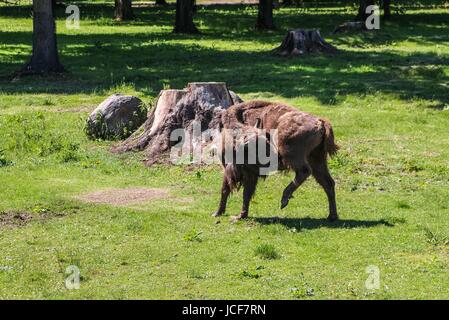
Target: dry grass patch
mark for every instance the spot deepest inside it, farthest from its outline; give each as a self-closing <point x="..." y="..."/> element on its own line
<point x="121" y="197"/>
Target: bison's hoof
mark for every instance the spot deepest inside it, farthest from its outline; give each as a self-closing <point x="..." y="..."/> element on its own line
<point x="216" y="214"/>
<point x="284" y="203"/>
<point x="332" y="217"/>
<point x="239" y="217"/>
<point x="235" y="218"/>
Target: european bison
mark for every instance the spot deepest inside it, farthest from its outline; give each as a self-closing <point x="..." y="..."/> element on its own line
<point x="303" y="143"/>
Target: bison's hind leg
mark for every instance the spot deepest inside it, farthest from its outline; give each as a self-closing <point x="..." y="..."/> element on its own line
<point x="320" y="171"/>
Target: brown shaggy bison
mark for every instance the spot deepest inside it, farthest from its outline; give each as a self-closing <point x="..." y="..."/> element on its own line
<point x="303" y="143"/>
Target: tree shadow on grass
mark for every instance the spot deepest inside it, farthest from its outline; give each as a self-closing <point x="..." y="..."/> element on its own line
<point x="149" y="60"/>
<point x="148" y="63"/>
<point x="317" y="223"/>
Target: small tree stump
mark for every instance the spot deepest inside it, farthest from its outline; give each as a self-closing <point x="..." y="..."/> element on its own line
<point x="300" y="42"/>
<point x="200" y="102"/>
<point x="350" y="26"/>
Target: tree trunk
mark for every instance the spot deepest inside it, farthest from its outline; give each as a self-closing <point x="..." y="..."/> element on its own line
<point x="161" y="2"/>
<point x="362" y="15"/>
<point x="300" y="42"/>
<point x="45" y="57"/>
<point x="184" y="17"/>
<point x="387" y="9"/>
<point x="199" y="104"/>
<point x="265" y="15"/>
<point x="123" y="10"/>
<point x="53" y="6"/>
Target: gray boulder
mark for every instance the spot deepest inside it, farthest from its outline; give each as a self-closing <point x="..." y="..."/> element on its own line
<point x="117" y="117"/>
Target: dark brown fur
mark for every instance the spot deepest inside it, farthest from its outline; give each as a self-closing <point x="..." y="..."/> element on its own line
<point x="304" y="141"/>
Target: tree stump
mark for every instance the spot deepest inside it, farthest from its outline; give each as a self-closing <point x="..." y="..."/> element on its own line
<point x="350" y="26"/>
<point x="199" y="103"/>
<point x="300" y="42"/>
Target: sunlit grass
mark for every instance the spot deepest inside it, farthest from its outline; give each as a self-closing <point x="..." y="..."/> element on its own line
<point x="385" y="94"/>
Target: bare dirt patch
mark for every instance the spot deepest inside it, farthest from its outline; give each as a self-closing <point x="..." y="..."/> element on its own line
<point x="120" y="197"/>
<point x="14" y="219"/>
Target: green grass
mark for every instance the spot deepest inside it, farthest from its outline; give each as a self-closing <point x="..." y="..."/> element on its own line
<point x="386" y="95"/>
<point x="266" y="251"/>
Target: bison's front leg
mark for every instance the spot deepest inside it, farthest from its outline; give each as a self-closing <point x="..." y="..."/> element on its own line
<point x="249" y="187"/>
<point x="229" y="182"/>
<point x="225" y="191"/>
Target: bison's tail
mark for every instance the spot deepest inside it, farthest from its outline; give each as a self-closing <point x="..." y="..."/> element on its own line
<point x="330" y="146"/>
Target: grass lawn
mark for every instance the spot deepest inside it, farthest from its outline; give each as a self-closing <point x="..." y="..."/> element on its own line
<point x="386" y="94"/>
